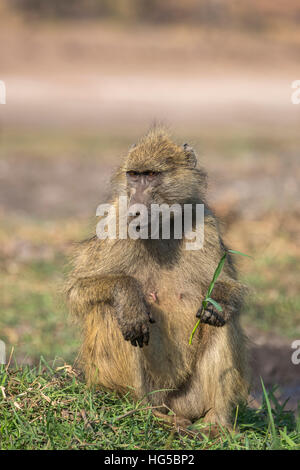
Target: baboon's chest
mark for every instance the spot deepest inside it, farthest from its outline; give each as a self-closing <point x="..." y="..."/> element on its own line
<point x="169" y="289"/>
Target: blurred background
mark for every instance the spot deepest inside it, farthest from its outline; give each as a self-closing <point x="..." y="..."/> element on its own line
<point x="84" y="79"/>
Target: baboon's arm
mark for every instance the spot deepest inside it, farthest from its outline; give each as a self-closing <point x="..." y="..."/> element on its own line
<point x="229" y="294"/>
<point x="123" y="293"/>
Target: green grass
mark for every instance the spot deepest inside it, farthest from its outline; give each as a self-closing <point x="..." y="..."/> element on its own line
<point x="274" y="304"/>
<point x="33" y="316"/>
<point x="49" y="407"/>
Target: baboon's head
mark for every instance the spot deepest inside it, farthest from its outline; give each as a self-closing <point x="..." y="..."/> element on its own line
<point x="158" y="171"/>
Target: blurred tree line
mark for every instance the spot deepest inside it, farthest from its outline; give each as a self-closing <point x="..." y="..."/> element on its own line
<point x="252" y="14"/>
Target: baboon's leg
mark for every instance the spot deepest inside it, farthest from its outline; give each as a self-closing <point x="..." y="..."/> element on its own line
<point x="107" y="359"/>
<point x="219" y="380"/>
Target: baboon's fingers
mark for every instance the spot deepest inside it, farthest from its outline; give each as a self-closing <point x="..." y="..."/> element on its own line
<point x="138" y="335"/>
<point x="211" y="316"/>
<point x="151" y="319"/>
<point x="127" y="336"/>
<point x="143" y="338"/>
<point x="146" y="338"/>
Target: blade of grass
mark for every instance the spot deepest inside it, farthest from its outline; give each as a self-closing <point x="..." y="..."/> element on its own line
<point x="234" y="252"/>
<point x="211" y="286"/>
<point x="216" y="274"/>
<point x="215" y="303"/>
<point x="271" y="419"/>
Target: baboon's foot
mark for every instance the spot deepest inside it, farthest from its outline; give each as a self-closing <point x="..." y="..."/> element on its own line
<point x="206" y="426"/>
<point x="179" y="422"/>
<point x="214" y="424"/>
<point x="185" y="427"/>
<point x="211" y="431"/>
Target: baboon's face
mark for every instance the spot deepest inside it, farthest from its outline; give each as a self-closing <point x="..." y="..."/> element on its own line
<point x="158" y="171"/>
<point x="142" y="186"/>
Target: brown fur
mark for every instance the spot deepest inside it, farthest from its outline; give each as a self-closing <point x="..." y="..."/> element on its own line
<point x="116" y="284"/>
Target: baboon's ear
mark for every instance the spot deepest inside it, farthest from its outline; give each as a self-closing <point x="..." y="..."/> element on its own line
<point x="190" y="154"/>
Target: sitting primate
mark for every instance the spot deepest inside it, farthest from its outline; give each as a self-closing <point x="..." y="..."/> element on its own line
<point x="137" y="300"/>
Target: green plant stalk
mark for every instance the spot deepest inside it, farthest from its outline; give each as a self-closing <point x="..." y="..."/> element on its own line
<point x="210" y="289"/>
<point x="271" y="419"/>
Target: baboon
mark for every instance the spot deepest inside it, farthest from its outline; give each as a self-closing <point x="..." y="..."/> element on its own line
<point x="137" y="300"/>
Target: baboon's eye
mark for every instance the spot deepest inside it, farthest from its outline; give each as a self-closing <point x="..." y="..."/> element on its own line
<point x="132" y="173"/>
<point x="152" y="173"/>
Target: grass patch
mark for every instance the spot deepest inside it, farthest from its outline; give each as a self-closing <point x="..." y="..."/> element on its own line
<point x="275" y="302"/>
<point x="272" y="275"/>
<point x="34" y="318"/>
<point x="49" y="407"/>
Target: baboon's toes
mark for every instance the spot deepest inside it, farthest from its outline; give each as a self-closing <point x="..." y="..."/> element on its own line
<point x="139" y="341"/>
<point x="211" y="431"/>
<point x="177" y="421"/>
<point x="139" y="337"/>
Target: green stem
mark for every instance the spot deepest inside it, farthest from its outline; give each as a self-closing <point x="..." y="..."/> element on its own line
<point x="211" y="286"/>
<point x="194" y="330"/>
<point x="204" y="304"/>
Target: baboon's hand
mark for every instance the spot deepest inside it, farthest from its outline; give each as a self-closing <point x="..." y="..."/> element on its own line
<point x="211" y="316"/>
<point x="137" y="331"/>
<point x="133" y="315"/>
